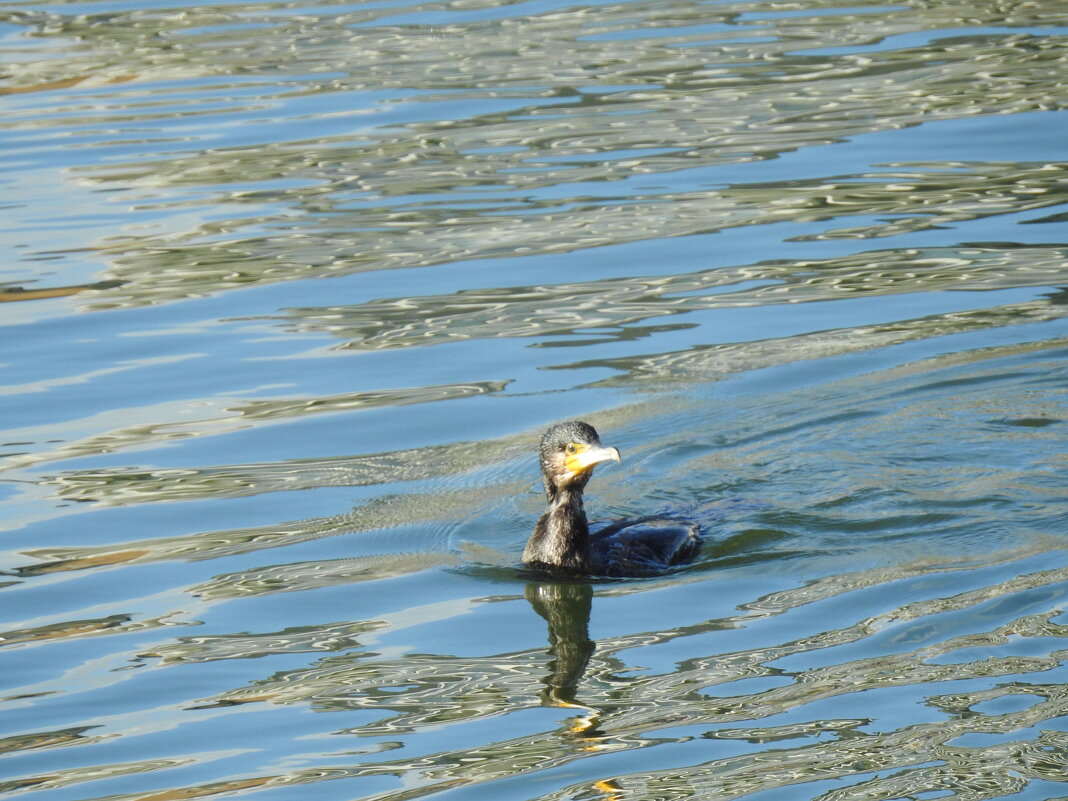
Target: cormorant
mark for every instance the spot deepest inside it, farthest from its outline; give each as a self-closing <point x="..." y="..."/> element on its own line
<point x="562" y="540"/>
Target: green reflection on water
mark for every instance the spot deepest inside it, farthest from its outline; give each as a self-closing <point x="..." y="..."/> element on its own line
<point x="893" y="567"/>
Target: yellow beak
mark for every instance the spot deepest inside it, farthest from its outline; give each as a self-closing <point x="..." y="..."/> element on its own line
<point x="595" y="454"/>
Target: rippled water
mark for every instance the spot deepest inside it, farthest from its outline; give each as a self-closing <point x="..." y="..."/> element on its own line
<point x="290" y="291"/>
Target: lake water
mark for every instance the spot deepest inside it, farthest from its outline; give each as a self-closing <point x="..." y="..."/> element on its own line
<point x="291" y="290"/>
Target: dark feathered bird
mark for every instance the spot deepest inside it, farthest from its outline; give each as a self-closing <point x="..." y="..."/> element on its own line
<point x="563" y="540"/>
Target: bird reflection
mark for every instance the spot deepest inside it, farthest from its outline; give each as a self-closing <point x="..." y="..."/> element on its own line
<point x="566" y="608"/>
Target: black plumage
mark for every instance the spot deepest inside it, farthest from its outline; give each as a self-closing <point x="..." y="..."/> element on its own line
<point x="563" y="540"/>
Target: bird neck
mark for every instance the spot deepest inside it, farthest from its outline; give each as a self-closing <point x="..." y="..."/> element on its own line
<point x="561" y="538"/>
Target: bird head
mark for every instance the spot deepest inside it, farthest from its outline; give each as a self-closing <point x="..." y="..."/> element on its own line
<point x="569" y="452"/>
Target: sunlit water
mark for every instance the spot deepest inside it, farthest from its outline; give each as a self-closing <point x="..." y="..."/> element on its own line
<point x="292" y="290"/>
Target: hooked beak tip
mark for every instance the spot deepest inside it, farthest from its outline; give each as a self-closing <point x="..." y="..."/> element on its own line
<point x="598" y="455"/>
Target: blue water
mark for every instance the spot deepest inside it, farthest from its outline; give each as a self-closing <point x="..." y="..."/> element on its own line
<point x="289" y="294"/>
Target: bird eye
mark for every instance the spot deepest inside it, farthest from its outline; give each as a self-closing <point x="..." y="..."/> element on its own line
<point x="571" y="448"/>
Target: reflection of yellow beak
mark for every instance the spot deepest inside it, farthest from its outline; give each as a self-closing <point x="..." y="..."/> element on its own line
<point x="585" y="459"/>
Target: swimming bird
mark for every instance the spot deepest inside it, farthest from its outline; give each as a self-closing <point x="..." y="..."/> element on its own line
<point x="563" y="542"/>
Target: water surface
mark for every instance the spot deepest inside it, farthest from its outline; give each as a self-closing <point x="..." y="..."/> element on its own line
<point x="290" y="291"/>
